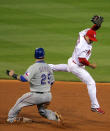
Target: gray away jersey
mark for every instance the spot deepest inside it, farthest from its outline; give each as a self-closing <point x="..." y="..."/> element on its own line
<point x="40" y="77"/>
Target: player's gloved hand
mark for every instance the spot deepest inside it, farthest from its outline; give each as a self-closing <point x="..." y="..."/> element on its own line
<point x="97" y="20"/>
<point x="7" y="72"/>
<point x="10" y="72"/>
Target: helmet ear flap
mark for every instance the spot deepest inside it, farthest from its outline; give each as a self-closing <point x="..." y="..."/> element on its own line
<point x="39" y="53"/>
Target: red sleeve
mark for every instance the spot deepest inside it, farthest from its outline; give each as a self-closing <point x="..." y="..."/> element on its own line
<point x="84" y="61"/>
<point x="95" y="27"/>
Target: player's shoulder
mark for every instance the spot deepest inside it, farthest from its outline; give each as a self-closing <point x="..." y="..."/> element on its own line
<point x="83" y="32"/>
<point x="31" y="66"/>
<point x="82" y="44"/>
<point x="34" y="65"/>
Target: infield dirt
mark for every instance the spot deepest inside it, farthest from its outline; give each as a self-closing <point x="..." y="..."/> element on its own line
<point x="70" y="99"/>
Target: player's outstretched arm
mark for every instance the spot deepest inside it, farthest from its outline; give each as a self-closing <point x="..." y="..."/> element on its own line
<point x="97" y="21"/>
<point x="12" y="74"/>
<point x="85" y="62"/>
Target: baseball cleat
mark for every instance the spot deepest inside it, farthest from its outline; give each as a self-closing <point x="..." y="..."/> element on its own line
<point x="13" y="120"/>
<point x="58" y="117"/>
<point x="19" y="119"/>
<point x="98" y="110"/>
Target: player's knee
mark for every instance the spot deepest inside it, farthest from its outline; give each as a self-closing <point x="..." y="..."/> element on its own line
<point x="42" y="112"/>
<point x="91" y="82"/>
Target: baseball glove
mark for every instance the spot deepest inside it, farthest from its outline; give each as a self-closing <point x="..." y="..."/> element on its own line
<point x="7" y="72"/>
<point x="11" y="73"/>
<point x="97" y="20"/>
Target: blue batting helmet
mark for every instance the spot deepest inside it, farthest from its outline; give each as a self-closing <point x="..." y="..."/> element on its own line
<point x="39" y="53"/>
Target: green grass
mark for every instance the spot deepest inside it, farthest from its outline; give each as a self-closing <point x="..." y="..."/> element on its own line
<point x="53" y="25"/>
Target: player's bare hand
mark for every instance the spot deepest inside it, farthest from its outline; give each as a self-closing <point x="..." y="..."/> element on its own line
<point x="93" y="66"/>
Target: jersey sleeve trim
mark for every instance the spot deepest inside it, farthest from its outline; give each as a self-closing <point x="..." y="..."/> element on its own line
<point x="84" y="61"/>
<point x="22" y="78"/>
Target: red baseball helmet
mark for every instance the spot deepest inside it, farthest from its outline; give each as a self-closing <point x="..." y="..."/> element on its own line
<point x="91" y="34"/>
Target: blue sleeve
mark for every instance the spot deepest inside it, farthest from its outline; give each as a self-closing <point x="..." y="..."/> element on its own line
<point x="22" y="78"/>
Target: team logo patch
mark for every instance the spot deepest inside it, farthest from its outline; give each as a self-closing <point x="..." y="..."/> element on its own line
<point x="27" y="73"/>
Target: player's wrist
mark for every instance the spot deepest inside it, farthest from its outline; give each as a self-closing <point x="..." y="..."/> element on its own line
<point x="95" y="27"/>
<point x="15" y="76"/>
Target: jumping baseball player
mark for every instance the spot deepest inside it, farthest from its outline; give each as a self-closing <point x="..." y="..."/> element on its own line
<point x="40" y="76"/>
<point x="78" y="61"/>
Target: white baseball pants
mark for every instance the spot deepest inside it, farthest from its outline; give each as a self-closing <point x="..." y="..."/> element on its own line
<point x="59" y="67"/>
<point x="84" y="76"/>
<point x="30" y="99"/>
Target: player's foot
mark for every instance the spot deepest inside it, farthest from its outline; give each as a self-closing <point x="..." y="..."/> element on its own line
<point x="98" y="110"/>
<point x="13" y="120"/>
<point x="58" y="117"/>
<point x="18" y="120"/>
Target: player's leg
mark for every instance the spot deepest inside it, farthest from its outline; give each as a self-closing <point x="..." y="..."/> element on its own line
<point x="58" y="67"/>
<point x="49" y="114"/>
<point x="45" y="100"/>
<point x="91" y="86"/>
<point x="84" y="76"/>
<point x="21" y="102"/>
